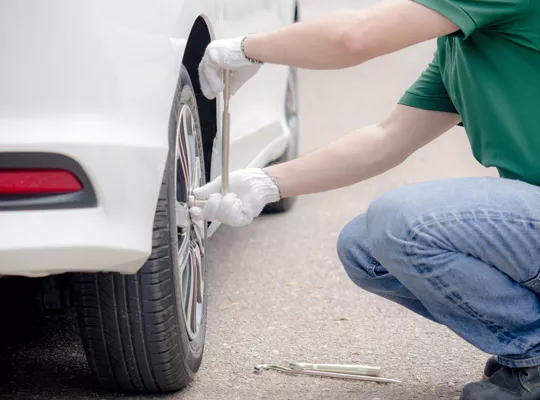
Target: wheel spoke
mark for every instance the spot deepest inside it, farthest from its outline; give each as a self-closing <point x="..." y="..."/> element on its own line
<point x="185" y="142"/>
<point x="180" y="148"/>
<point x="181" y="180"/>
<point x="198" y="265"/>
<point x="178" y="152"/>
<point x="183" y="253"/>
<point x="195" y="176"/>
<point x="190" y="297"/>
<point x="183" y="149"/>
<point x="198" y="235"/>
<point x="194" y="294"/>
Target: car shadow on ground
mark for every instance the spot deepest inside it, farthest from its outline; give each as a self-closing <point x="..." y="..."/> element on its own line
<point x="40" y="357"/>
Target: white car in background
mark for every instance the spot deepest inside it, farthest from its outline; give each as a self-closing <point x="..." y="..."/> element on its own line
<point x="103" y="134"/>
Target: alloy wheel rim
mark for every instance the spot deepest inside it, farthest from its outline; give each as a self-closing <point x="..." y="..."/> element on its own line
<point x="291" y="111"/>
<point x="291" y="100"/>
<point x="189" y="174"/>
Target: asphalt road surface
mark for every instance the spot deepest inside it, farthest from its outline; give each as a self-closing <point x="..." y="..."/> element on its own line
<point x="277" y="290"/>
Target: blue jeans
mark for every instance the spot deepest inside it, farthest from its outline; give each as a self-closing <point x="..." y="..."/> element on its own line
<point x="464" y="253"/>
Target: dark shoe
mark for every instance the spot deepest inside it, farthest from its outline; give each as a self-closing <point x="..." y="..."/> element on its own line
<point x="506" y="384"/>
<point x="492" y="366"/>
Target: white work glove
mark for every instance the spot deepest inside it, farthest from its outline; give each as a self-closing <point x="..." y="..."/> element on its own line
<point x="250" y="190"/>
<point x="225" y="54"/>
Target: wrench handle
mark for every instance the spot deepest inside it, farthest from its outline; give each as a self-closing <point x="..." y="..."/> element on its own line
<point x="226" y="133"/>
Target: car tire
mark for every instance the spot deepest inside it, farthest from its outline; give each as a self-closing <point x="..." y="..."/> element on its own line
<point x="144" y="333"/>
<point x="291" y="116"/>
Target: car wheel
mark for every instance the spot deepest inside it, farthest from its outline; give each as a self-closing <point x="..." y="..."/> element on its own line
<point x="291" y="115"/>
<point x="145" y="332"/>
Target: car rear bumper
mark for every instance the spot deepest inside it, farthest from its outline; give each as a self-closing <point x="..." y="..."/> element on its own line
<point x="124" y="165"/>
<point x="42" y="243"/>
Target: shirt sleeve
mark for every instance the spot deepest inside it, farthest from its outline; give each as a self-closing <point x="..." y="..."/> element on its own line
<point x="470" y="15"/>
<point x="429" y="92"/>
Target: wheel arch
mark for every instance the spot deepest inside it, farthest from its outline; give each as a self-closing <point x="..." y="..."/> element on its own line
<point x="200" y="36"/>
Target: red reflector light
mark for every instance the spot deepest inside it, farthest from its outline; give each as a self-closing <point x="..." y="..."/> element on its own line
<point x="38" y="181"/>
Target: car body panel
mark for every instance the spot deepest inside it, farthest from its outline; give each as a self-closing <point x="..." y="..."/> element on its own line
<point x="95" y="81"/>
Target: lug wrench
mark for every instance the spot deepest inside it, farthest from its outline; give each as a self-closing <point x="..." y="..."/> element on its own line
<point x="225" y="142"/>
<point x="358" y="373"/>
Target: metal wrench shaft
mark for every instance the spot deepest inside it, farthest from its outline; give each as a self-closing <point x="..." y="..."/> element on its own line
<point x="226" y="134"/>
<point x="225" y="142"/>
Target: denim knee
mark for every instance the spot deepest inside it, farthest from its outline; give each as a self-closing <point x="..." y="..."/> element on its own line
<point x="345" y="244"/>
<point x="354" y="253"/>
<point x="390" y="221"/>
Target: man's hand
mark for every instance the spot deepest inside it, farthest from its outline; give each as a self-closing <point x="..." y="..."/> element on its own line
<point x="226" y="54"/>
<point x="251" y="189"/>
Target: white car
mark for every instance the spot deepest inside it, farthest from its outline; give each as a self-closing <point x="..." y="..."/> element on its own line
<point x="103" y="134"/>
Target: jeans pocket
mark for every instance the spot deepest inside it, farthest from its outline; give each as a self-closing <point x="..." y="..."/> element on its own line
<point x="534" y="284"/>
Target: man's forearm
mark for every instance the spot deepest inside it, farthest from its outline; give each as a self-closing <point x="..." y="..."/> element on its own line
<point x="357" y="156"/>
<point x="362" y="154"/>
<point x="349" y="38"/>
<point x="315" y="44"/>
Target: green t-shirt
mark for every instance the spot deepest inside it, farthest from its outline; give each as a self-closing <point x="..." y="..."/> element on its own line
<point x="489" y="73"/>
